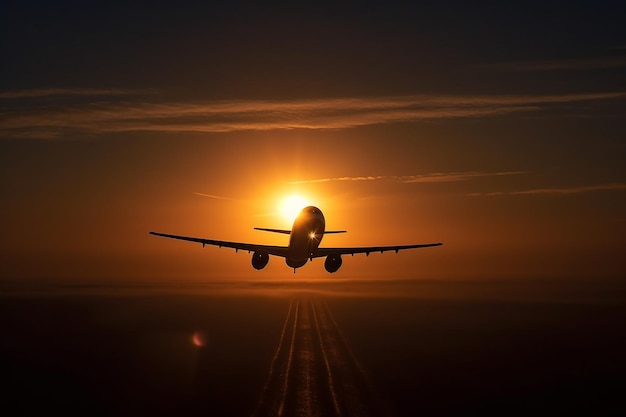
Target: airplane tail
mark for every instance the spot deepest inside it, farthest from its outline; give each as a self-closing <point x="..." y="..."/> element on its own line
<point x="288" y="232"/>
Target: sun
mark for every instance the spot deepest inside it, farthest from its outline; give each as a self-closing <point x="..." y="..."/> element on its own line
<point x="291" y="206"/>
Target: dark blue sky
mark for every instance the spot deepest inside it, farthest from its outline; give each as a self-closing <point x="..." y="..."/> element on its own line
<point x="221" y="51"/>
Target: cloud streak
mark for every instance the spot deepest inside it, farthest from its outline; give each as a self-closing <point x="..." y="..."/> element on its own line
<point x="588" y="64"/>
<point x="436" y="177"/>
<point x="50" y="92"/>
<point x="216" y="197"/>
<point x="100" y="117"/>
<point x="557" y="191"/>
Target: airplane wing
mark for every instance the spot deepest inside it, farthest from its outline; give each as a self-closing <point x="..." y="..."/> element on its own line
<point x="272" y="250"/>
<point x="321" y="252"/>
<point x="285" y="232"/>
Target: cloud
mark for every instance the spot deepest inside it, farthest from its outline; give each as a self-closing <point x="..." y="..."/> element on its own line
<point x="217" y="197"/>
<point x="458" y="176"/>
<point x="47" y="92"/>
<point x="420" y="178"/>
<point x="557" y="191"/>
<point x="95" y="117"/>
<point x="587" y="64"/>
<point x="370" y="178"/>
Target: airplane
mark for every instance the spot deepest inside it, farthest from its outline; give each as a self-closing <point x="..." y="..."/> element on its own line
<point x="304" y="239"/>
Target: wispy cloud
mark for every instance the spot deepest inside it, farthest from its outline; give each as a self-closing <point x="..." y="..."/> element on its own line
<point x="459" y="176"/>
<point x="217" y="197"/>
<point x="48" y="92"/>
<point x="420" y="178"/>
<point x="557" y="191"/>
<point x="597" y="63"/>
<point x="97" y="117"/>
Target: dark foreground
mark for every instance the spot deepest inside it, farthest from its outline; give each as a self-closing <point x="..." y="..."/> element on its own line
<point x="318" y="348"/>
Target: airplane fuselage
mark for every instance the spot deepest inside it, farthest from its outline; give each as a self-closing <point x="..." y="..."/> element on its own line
<point x="306" y="235"/>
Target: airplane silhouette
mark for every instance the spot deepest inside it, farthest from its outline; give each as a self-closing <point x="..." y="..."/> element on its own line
<point x="304" y="239"/>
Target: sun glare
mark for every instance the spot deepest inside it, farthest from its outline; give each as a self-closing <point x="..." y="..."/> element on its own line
<point x="291" y="206"/>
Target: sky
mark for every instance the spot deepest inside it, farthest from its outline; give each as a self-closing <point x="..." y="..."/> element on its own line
<point x="494" y="128"/>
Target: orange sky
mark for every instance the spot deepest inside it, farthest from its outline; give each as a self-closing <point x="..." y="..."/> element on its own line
<point x="403" y="123"/>
<point x="84" y="208"/>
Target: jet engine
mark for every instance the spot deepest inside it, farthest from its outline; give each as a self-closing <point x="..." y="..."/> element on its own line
<point x="333" y="262"/>
<point x="260" y="259"/>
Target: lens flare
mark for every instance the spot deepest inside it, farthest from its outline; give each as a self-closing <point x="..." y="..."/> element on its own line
<point x="199" y="339"/>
